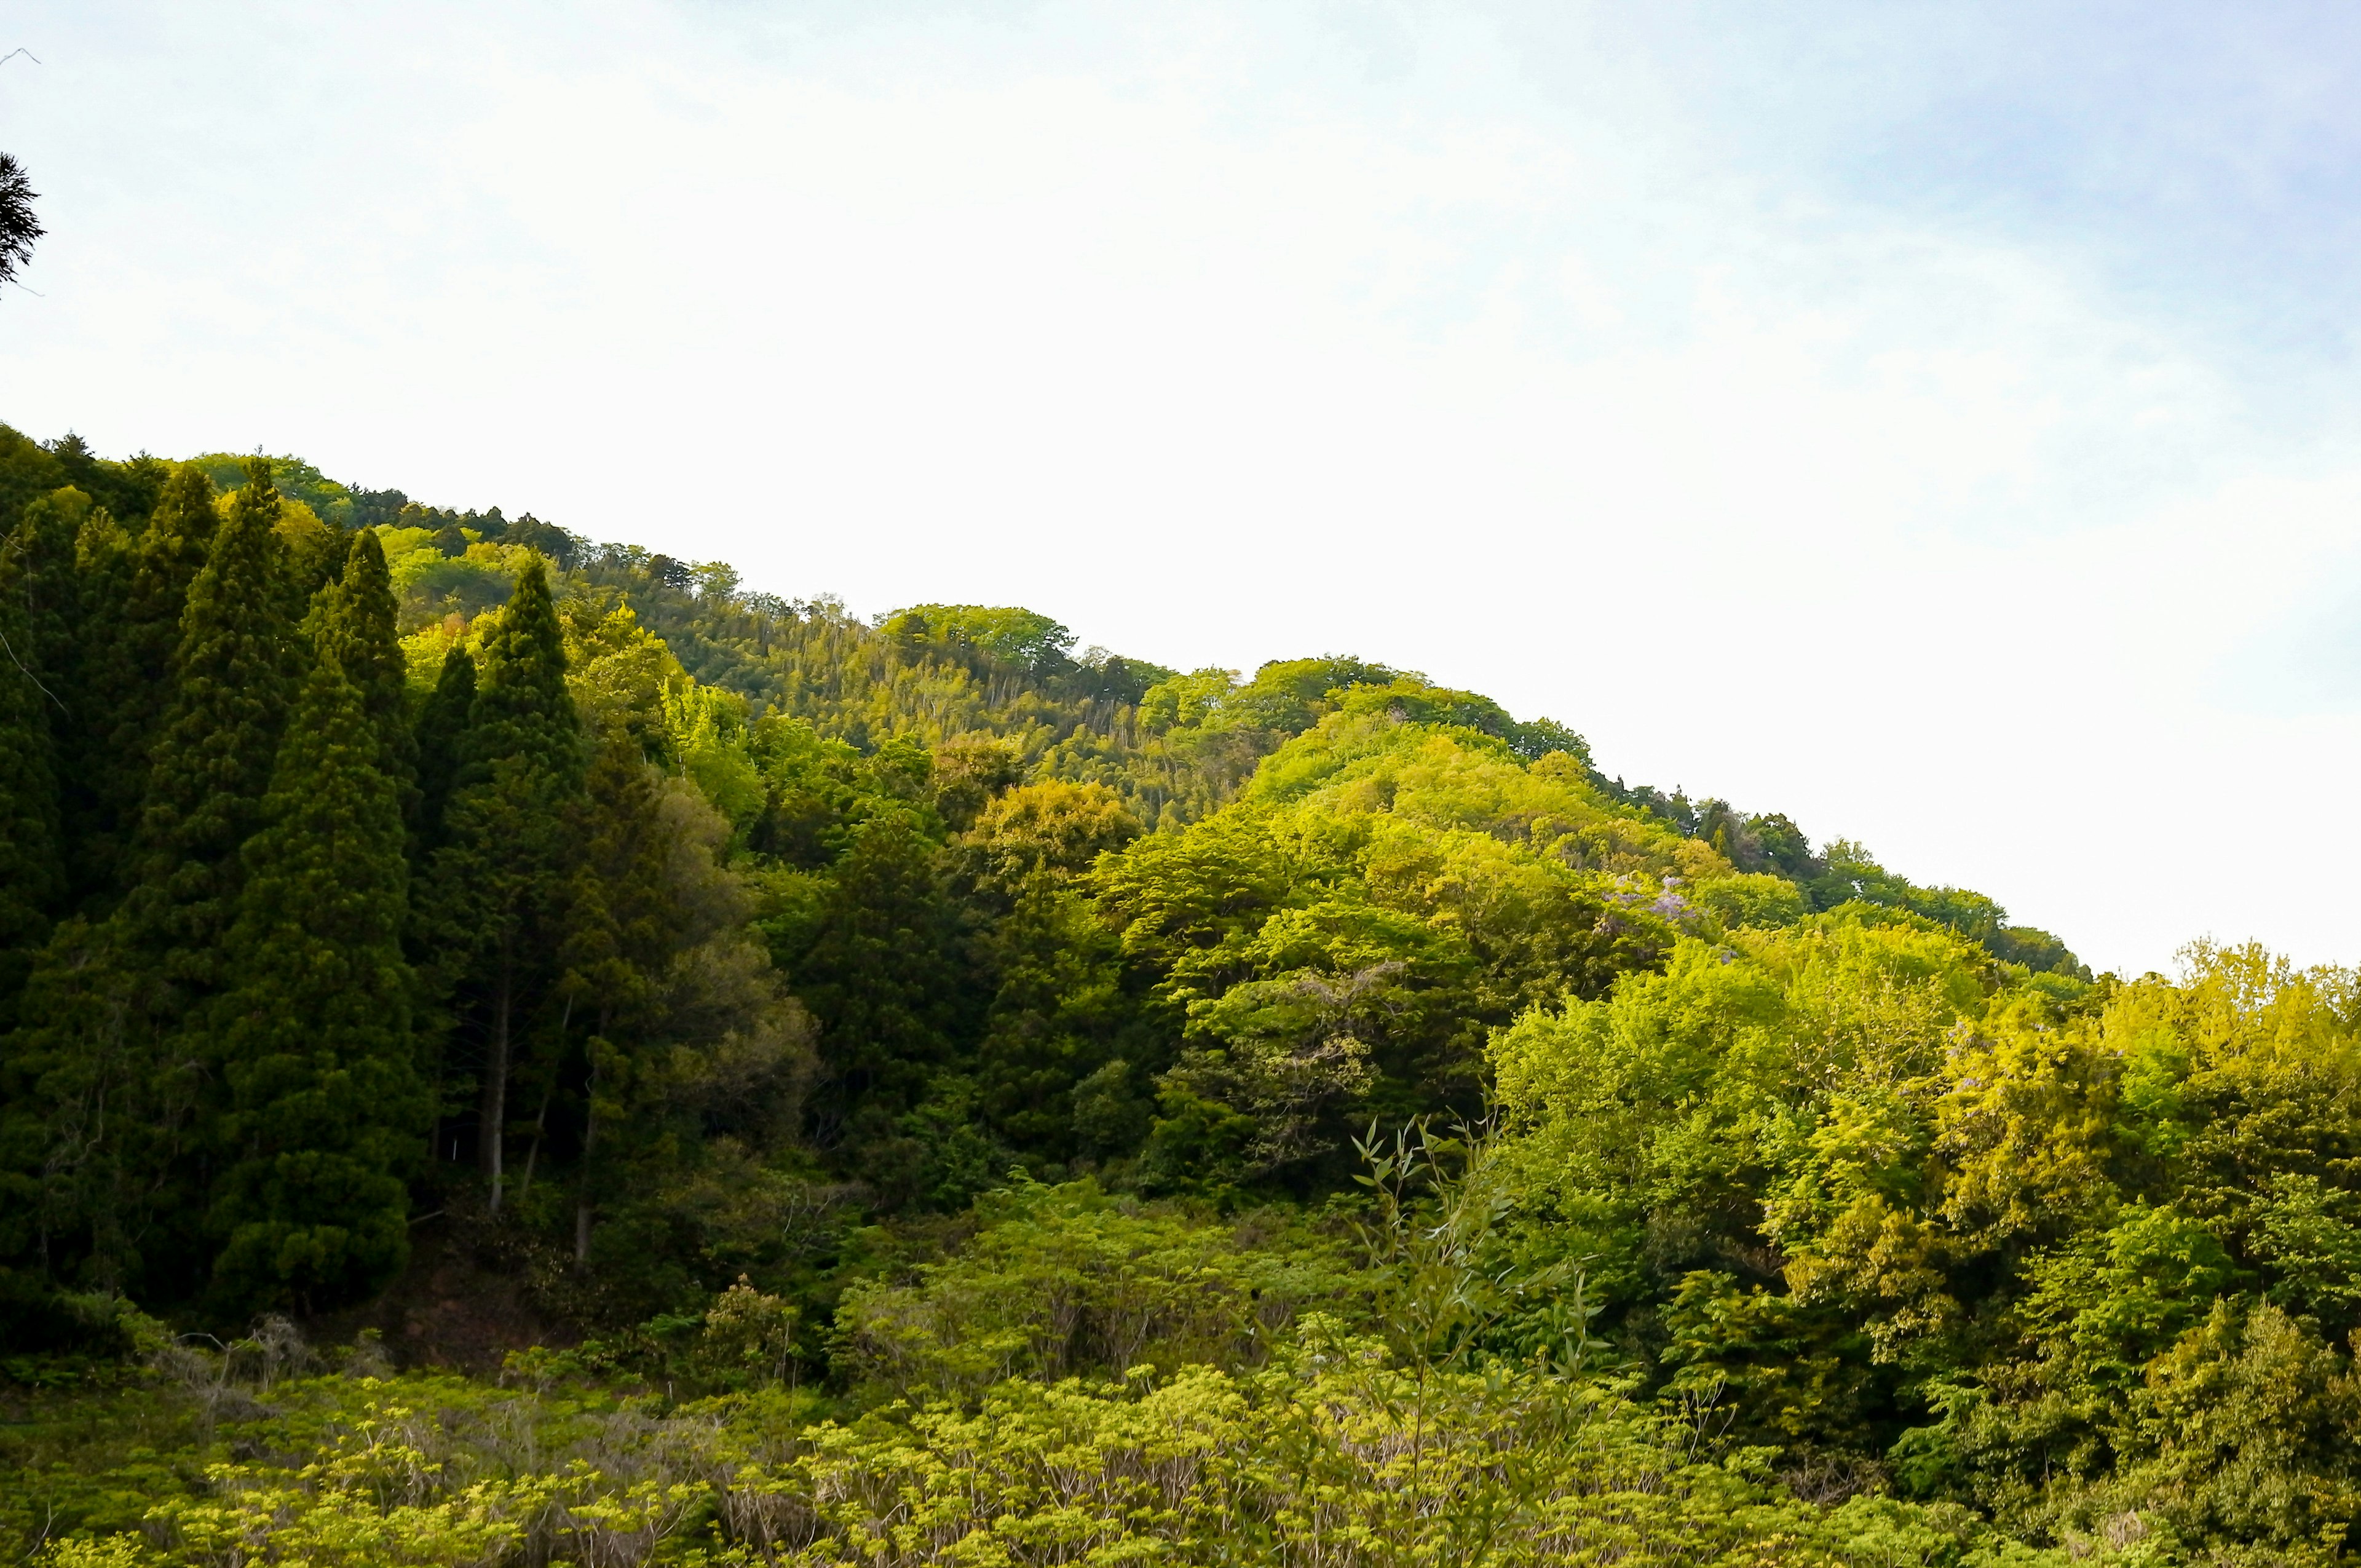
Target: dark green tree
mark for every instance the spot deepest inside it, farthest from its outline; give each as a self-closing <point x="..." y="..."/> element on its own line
<point x="1059" y="1016"/>
<point x="93" y="1118"/>
<point x="211" y="764"/>
<point x="358" y="631"/>
<point x="119" y="1088"/>
<point x="440" y="736"/>
<point x="172" y="549"/>
<point x="326" y="1108"/>
<point x="92" y="1125"/>
<point x="49" y="591"/>
<point x="129" y="680"/>
<point x="500" y="877"/>
<point x="93" y="776"/>
<point x="18" y="227"/>
<point x="883" y="976"/>
<point x="619" y="926"/>
<point x="32" y="865"/>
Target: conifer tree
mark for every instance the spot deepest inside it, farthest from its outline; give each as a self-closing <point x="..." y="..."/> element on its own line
<point x="213" y="757"/>
<point x="92" y="775"/>
<point x="93" y="1117"/>
<point x="54" y="609"/>
<point x="89" y="1130"/>
<point x="129" y="677"/>
<point x="32" y="868"/>
<point x="360" y="632"/>
<point x="619" y="921"/>
<point x="500" y="877"/>
<point x="883" y="977"/>
<point x="326" y="1107"/>
<point x="44" y="547"/>
<point x="442" y="731"/>
<point x="172" y="549"/>
<point x="116" y="1087"/>
<point x="49" y="595"/>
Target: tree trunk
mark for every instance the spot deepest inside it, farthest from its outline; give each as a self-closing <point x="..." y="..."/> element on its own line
<point x="590" y="1143"/>
<point x="540" y="1125"/>
<point x="491" y="1137"/>
<point x="541" y="1117"/>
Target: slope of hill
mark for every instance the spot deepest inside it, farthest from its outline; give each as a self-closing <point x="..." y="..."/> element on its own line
<point x="908" y="1089"/>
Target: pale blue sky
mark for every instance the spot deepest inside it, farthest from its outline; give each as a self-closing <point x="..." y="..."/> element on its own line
<point x="1934" y="421"/>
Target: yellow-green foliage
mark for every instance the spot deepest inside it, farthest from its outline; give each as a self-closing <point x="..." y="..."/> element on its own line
<point x="1065" y="1279"/>
<point x="1384" y="891"/>
<point x="2103" y="1245"/>
<point x="1328" y="1455"/>
<point x="433" y="585"/>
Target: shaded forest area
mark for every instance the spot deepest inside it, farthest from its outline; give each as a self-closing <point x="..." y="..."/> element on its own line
<point x="515" y="1049"/>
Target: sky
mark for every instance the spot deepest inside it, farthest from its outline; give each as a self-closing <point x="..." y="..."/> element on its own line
<point x="1935" y="423"/>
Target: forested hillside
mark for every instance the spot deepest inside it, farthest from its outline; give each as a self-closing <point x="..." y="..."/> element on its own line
<point x="516" y="1049"/>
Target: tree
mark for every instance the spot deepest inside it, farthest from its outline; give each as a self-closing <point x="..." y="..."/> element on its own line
<point x="212" y="762"/>
<point x="91" y="1122"/>
<point x="1051" y="827"/>
<point x="440" y="736"/>
<point x="500" y="877"/>
<point x="114" y="1081"/>
<point x="1058" y="1017"/>
<point x="326" y="1108"/>
<point x="1057" y="1007"/>
<point x="18" y="227"/>
<point x="359" y="632"/>
<point x="32" y="867"/>
<point x="693" y="1072"/>
<point x="883" y="977"/>
<point x="127" y="681"/>
<point x="620" y="922"/>
<point x="49" y="591"/>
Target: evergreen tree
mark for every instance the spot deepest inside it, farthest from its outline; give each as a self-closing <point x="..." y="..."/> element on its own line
<point x="129" y="677"/>
<point x="212" y="758"/>
<point x="326" y="1108"/>
<point x="500" y="877"/>
<point x="359" y="632"/>
<point x="18" y="227"/>
<point x="883" y="976"/>
<point x="1056" y="1014"/>
<point x="128" y="490"/>
<point x="91" y="1126"/>
<point x="50" y="592"/>
<point x="93" y="1116"/>
<point x="32" y="868"/>
<point x="172" y="549"/>
<point x="619" y="927"/>
<point x="441" y="734"/>
<point x="91" y="774"/>
<point x="117" y="1086"/>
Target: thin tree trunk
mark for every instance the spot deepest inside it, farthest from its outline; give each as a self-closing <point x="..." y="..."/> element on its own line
<point x="541" y="1117"/>
<point x="532" y="1155"/>
<point x="495" y="1112"/>
<point x="590" y="1143"/>
<point x="582" y="1200"/>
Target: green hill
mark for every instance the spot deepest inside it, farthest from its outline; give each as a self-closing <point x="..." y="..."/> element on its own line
<point x="730" y="1081"/>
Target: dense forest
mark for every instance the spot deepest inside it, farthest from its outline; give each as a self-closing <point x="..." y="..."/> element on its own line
<point x="521" y="1051"/>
